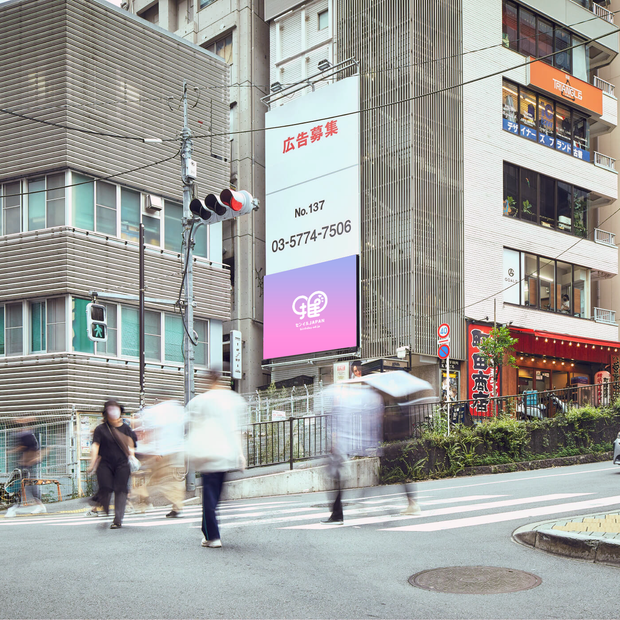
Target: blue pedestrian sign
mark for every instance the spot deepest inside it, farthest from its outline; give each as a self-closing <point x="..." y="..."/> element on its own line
<point x="443" y="351"/>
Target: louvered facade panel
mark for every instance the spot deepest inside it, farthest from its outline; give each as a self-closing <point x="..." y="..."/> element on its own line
<point x="60" y="261"/>
<point x="51" y="381"/>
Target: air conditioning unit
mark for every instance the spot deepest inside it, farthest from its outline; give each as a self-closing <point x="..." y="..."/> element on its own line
<point x="154" y="203"/>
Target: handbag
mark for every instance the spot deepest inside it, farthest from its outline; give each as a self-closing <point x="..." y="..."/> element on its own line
<point x="134" y="463"/>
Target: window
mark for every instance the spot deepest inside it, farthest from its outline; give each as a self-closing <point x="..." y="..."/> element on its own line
<point x="110" y="347"/>
<point x="546" y="121"/>
<point x="151" y="230"/>
<point x="509" y="26"/>
<point x="46" y="202"/>
<point x="527" y="32"/>
<point x="106" y="208"/>
<point x="547" y="284"/>
<point x="37" y="326"/>
<point x="1" y="330"/>
<point x="563" y="59"/>
<point x="56" y="333"/>
<point x="174" y="338"/>
<point x="323" y="20"/>
<point x="14" y="329"/>
<point x="545" y="39"/>
<point x="130" y="215"/>
<point x="173" y="226"/>
<point x="152" y="336"/>
<point x="581" y="64"/>
<point x="223" y="48"/>
<point x="80" y="340"/>
<point x="542" y="200"/>
<point x="130" y="341"/>
<point x="11" y="212"/>
<point x="202" y="347"/>
<point x="83" y="205"/>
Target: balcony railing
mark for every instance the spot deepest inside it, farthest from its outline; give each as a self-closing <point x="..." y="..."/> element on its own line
<point x="605" y="316"/>
<point x="606" y="87"/>
<point x="604" y="161"/>
<point x="602" y="12"/>
<point x="604" y="238"/>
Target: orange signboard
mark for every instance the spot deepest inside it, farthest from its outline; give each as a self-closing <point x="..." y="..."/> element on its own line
<point x="566" y="87"/>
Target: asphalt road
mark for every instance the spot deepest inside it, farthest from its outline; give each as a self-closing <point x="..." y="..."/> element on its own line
<point x="279" y="562"/>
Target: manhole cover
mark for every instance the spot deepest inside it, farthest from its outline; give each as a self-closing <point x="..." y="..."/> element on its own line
<point x="474" y="580"/>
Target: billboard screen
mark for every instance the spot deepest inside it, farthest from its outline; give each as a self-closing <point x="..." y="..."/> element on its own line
<point x="311" y="309"/>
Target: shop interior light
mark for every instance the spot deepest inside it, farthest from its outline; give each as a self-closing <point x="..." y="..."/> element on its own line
<point x="578" y="344"/>
<point x="532" y="359"/>
<point x="553" y="362"/>
<point x="570" y="344"/>
<point x="562" y="363"/>
<point x="572" y="364"/>
<point x="536" y="337"/>
<point x="522" y="357"/>
<point x="554" y="342"/>
<point x="562" y="342"/>
<point x="546" y="339"/>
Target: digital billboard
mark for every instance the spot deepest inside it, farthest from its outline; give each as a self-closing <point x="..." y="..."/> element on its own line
<point x="312" y="220"/>
<point x="311" y="309"/>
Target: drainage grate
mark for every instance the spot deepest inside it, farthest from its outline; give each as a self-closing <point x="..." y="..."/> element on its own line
<point x="474" y="580"/>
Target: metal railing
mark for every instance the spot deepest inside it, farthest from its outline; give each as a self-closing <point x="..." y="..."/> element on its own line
<point x="601" y="315"/>
<point x="606" y="87"/>
<point x="605" y="238"/>
<point x="602" y="12"/>
<point x="287" y="441"/>
<point x="604" y="161"/>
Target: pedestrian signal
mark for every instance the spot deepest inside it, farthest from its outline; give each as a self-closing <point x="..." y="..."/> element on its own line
<point x="97" y="322"/>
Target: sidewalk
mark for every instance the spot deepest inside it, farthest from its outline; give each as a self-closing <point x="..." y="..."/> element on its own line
<point x="594" y="537"/>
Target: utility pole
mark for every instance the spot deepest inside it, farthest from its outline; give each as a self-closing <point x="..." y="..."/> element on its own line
<point x="187" y="263"/>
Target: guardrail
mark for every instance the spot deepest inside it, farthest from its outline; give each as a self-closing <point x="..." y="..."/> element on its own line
<point x="601" y="315"/>
<point x="602" y="12"/>
<point x="606" y="87"/>
<point x="604" y="161"/>
<point x="605" y="238"/>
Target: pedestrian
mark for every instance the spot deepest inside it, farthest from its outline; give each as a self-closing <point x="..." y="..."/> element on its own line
<point x="29" y="462"/>
<point x="113" y="443"/>
<point x="356" y="424"/>
<point x="162" y="438"/>
<point x="214" y="446"/>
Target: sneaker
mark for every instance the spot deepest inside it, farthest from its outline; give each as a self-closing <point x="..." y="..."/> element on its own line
<point x="213" y="544"/>
<point x="333" y="521"/>
<point x="174" y="514"/>
<point x="91" y="513"/>
<point x="39" y="508"/>
<point x="115" y="526"/>
<point x="129" y="510"/>
<point x="412" y="509"/>
<point x="11" y="512"/>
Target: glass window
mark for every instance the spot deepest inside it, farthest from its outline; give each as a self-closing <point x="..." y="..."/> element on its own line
<point x="130" y="331"/>
<point x="547" y="284"/>
<point x="1" y="330"/>
<point x="56" y="340"/>
<point x="130" y="215"/>
<point x="527" y="32"/>
<point x="36" y="205"/>
<point x="565" y="206"/>
<point x="564" y="56"/>
<point x="530" y="279"/>
<point x="547" y="201"/>
<point x="581" y="136"/>
<point x="174" y="338"/>
<point x="564" y="287"/>
<point x="527" y="113"/>
<point x="509" y="105"/>
<point x="563" y="128"/>
<point x="152" y="336"/>
<point x="56" y="199"/>
<point x="12" y="211"/>
<point x="173" y="226"/>
<point x="509" y="26"/>
<point x="83" y="202"/>
<point x="202" y="348"/>
<point x="581" y="290"/>
<point x="201" y="239"/>
<point x="106" y="208"/>
<point x="511" y="190"/>
<point x="14" y="329"/>
<point x="546" y="121"/>
<point x="323" y="20"/>
<point x="545" y="40"/>
<point x="529" y="195"/>
<point x="80" y="340"/>
<point x="151" y="230"/>
<point x="37" y="326"/>
<point x="110" y="347"/>
<point x="580" y="212"/>
<point x="581" y="59"/>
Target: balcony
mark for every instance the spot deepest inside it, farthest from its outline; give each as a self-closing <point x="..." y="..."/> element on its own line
<point x="606" y="87"/>
<point x="604" y="238"/>
<point x="605" y="316"/>
<point x="602" y="12"/>
<point x="604" y="161"/>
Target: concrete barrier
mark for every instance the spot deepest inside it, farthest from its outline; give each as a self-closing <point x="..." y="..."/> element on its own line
<point x="356" y="473"/>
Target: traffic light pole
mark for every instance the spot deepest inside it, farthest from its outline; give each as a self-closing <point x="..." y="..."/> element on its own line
<point x="141" y="316"/>
<point x="188" y="269"/>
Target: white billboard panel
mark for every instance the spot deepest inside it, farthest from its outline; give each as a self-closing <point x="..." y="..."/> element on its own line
<point x="312" y="178"/>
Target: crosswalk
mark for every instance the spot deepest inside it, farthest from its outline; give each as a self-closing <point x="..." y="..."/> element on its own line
<point x="377" y="510"/>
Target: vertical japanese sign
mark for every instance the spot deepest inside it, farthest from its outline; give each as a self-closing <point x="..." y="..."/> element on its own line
<point x="312" y="221"/>
<point x="480" y="381"/>
<point x="615" y="376"/>
<point x="236" y="362"/>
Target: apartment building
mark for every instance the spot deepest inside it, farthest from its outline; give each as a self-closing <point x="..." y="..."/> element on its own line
<point x="76" y="182"/>
<point x="236" y="31"/>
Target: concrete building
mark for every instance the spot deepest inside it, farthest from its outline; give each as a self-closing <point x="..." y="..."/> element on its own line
<point x="76" y="181"/>
<point x="235" y="31"/>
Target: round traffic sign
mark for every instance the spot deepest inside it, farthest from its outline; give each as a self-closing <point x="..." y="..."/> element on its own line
<point x="443" y="351"/>
<point x="443" y="330"/>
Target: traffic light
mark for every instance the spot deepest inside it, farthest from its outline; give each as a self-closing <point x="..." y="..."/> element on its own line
<point x="96" y="320"/>
<point x="230" y="203"/>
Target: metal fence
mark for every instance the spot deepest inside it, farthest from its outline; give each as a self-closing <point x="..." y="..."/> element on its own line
<point x="296" y="401"/>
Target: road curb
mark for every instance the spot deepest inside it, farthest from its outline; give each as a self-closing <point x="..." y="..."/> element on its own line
<point x="576" y="546"/>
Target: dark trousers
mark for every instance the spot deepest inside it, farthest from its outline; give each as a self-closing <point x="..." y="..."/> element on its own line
<point x="113" y="478"/>
<point x="337" y="507"/>
<point x="211" y="491"/>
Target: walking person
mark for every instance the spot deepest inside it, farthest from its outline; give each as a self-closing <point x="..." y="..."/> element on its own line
<point x="113" y="443"/>
<point x="29" y="462"/>
<point x="214" y="446"/>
